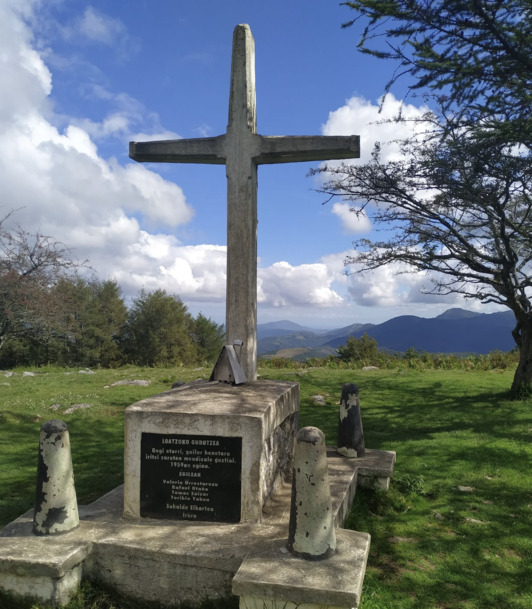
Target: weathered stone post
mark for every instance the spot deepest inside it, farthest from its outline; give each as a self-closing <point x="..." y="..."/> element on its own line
<point x="56" y="508"/>
<point x="311" y="533"/>
<point x="350" y="433"/>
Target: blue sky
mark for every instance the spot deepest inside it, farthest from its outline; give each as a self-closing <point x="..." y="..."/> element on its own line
<point x="79" y="80"/>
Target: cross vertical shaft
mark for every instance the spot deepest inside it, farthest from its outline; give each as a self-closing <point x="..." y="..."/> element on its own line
<point x="241" y="169"/>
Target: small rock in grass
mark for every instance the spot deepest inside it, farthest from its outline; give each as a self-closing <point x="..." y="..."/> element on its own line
<point x="137" y="382"/>
<point x="86" y="371"/>
<point x="28" y="374"/>
<point x="396" y="539"/>
<point x="465" y="489"/>
<point x="318" y="399"/>
<point x="77" y="407"/>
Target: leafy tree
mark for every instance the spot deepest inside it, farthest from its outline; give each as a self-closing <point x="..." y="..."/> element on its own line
<point x="363" y="349"/>
<point x="209" y="338"/>
<point x="159" y="331"/>
<point x="111" y="316"/>
<point x="474" y="56"/>
<point x="30" y="266"/>
<point x="458" y="209"/>
<point x="92" y="323"/>
<point x="458" y="203"/>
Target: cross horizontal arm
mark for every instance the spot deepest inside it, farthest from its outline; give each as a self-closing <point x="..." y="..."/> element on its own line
<point x="299" y="148"/>
<point x="210" y="150"/>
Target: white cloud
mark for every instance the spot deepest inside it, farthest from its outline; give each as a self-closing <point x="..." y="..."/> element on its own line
<point x="113" y="124"/>
<point x="199" y="272"/>
<point x="375" y="124"/>
<point x="59" y="181"/>
<point x="384" y="287"/>
<point x="353" y="220"/>
<point x="335" y="264"/>
<point x="195" y="273"/>
<point x="25" y="80"/>
<point x="167" y="203"/>
<point x="396" y="285"/>
<point x="98" y="27"/>
<point x="123" y="120"/>
<point x="282" y="284"/>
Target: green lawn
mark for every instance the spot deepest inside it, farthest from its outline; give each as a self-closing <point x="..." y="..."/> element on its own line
<point x="455" y="529"/>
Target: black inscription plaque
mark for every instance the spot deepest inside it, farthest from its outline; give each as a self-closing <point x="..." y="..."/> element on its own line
<point x="185" y="477"/>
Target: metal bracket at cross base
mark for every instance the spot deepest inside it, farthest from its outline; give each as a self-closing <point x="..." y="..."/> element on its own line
<point x="228" y="368"/>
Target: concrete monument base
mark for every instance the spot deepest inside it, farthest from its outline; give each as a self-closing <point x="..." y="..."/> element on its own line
<point x="184" y="563"/>
<point x="195" y="434"/>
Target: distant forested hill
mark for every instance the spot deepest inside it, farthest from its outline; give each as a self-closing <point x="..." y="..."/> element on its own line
<point x="455" y="331"/>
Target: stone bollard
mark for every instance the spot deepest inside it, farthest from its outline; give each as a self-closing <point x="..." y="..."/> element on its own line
<point x="56" y="508"/>
<point x="311" y="533"/>
<point x="350" y="433"/>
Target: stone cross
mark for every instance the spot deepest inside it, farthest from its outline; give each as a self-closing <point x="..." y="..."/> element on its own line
<point x="242" y="149"/>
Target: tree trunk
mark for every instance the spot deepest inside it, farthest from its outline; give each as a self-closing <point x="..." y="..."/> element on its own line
<point x="522" y="383"/>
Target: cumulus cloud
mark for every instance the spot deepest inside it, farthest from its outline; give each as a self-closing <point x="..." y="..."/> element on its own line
<point x="196" y="273"/>
<point x="395" y="285"/>
<point x="25" y="81"/>
<point x="353" y="220"/>
<point x="58" y="180"/>
<point x="114" y="124"/>
<point x="282" y="284"/>
<point x="374" y="122"/>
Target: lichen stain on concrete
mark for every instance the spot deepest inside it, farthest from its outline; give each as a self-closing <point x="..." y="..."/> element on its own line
<point x="42" y="479"/>
<point x="55" y="515"/>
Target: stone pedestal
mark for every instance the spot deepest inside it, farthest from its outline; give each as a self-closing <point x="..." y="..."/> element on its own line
<point x="276" y="579"/>
<point x="209" y="451"/>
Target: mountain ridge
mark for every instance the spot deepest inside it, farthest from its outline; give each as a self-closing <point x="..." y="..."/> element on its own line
<point x="453" y="331"/>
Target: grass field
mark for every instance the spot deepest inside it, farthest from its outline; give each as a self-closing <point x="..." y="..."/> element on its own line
<point x="453" y="532"/>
